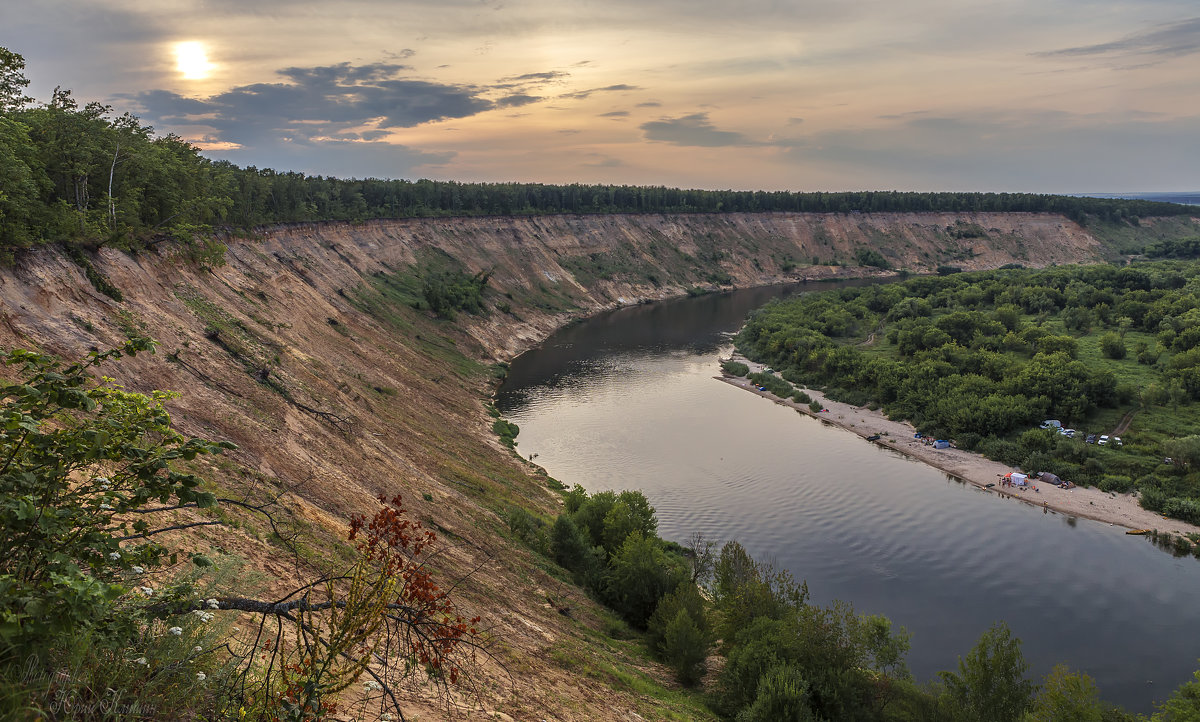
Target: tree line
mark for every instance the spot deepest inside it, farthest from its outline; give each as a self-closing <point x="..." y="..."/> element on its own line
<point x="85" y="174"/>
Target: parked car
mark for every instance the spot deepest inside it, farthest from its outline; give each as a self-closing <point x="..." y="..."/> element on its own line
<point x="1051" y="424"/>
<point x="1091" y="439"/>
<point x="1103" y="440"/>
<point x="1116" y="441"/>
<point x="1069" y="433"/>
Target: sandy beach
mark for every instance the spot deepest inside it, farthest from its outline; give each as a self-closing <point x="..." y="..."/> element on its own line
<point x="1119" y="510"/>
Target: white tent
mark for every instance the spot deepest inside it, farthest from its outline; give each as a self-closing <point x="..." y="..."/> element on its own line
<point x="1017" y="479"/>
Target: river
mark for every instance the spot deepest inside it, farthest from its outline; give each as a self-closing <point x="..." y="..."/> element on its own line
<point x="627" y="400"/>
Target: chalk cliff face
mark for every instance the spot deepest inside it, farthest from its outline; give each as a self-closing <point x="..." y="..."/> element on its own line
<point x="305" y="351"/>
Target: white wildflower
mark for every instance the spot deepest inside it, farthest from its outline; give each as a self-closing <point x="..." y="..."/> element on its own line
<point x="106" y="507"/>
<point x="142" y="661"/>
<point x="200" y="676"/>
<point x="386" y="717"/>
<point x="197" y="649"/>
<point x="114" y="556"/>
<point x="372" y="686"/>
<point x="237" y="629"/>
<point x="212" y="604"/>
<point x="138" y="570"/>
<point x="175" y="630"/>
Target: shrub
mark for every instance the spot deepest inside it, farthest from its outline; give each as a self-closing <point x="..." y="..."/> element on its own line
<point x="1112" y="346"/>
<point x="529" y="529"/>
<point x="735" y="368"/>
<point x="79" y="458"/>
<point x="816" y="406"/>
<point x="507" y="431"/>
<point x="685" y="648"/>
<point x="685" y="597"/>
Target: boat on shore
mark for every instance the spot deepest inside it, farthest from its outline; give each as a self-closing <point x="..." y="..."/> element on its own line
<point x="1139" y="531"/>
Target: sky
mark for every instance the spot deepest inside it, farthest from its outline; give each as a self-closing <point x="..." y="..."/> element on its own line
<point x="1049" y="96"/>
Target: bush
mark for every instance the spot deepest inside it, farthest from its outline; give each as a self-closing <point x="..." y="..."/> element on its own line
<point x="782" y="695"/>
<point x="686" y="597"/>
<point x="1112" y="346"/>
<point x="80" y="458"/>
<point x="685" y="648"/>
<point x="529" y="529"/>
<point x="735" y="368"/>
<point x="816" y="407"/>
<point x="507" y="431"/>
<point x="801" y="397"/>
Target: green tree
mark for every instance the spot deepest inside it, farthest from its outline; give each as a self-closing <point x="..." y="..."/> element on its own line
<point x="685" y="597"/>
<point x="990" y="685"/>
<point x="1112" y="345"/>
<point x="640" y="574"/>
<point x="79" y="456"/>
<point x="782" y="696"/>
<point x="12" y="81"/>
<point x="1066" y="696"/>
<point x="685" y="648"/>
<point x="1183" y="705"/>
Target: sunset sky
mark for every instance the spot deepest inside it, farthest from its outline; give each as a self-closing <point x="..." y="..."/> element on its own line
<point x="1021" y="95"/>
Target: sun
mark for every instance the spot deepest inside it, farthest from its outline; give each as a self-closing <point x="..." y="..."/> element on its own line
<point x="191" y="59"/>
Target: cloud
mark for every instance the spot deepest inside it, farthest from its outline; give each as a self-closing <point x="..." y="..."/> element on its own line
<point x="321" y="102"/>
<point x="516" y="100"/>
<point x="330" y="119"/>
<point x="615" y="114"/>
<point x="1170" y="40"/>
<point x="650" y="104"/>
<point x="581" y="94"/>
<point x="692" y="130"/>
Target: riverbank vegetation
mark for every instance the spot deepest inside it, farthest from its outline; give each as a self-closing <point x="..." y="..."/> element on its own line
<point x="89" y="175"/>
<point x="985" y="358"/>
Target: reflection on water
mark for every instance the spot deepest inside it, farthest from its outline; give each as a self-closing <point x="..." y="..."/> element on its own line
<point x="628" y="401"/>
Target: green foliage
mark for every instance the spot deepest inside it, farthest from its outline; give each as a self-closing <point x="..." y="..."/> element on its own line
<point x="990" y="685"/>
<point x="735" y="368"/>
<point x="772" y="383"/>
<point x="640" y="574"/>
<point x="449" y="291"/>
<point x="630" y="513"/>
<point x="871" y="257"/>
<point x="1183" y="705"/>
<point x="529" y="529"/>
<point x="686" y="598"/>
<point x="1066" y="696"/>
<point x="984" y="357"/>
<point x="1113" y="346"/>
<point x="571" y="549"/>
<point x="80" y="457"/>
<point x="685" y="648"/>
<point x="782" y="696"/>
<point x="507" y="431"/>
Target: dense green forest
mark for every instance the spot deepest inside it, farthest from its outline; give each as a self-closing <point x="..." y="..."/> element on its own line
<point x="787" y="659"/>
<point x="85" y="174"/>
<point x="984" y="358"/>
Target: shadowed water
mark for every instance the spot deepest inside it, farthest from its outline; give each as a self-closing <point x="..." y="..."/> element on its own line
<point x="627" y="401"/>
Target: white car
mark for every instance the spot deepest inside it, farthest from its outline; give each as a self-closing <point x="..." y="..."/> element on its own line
<point x="1103" y="440"/>
<point x="1069" y="433"/>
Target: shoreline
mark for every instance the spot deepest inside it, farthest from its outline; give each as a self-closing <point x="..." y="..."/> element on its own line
<point x="1119" y="510"/>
